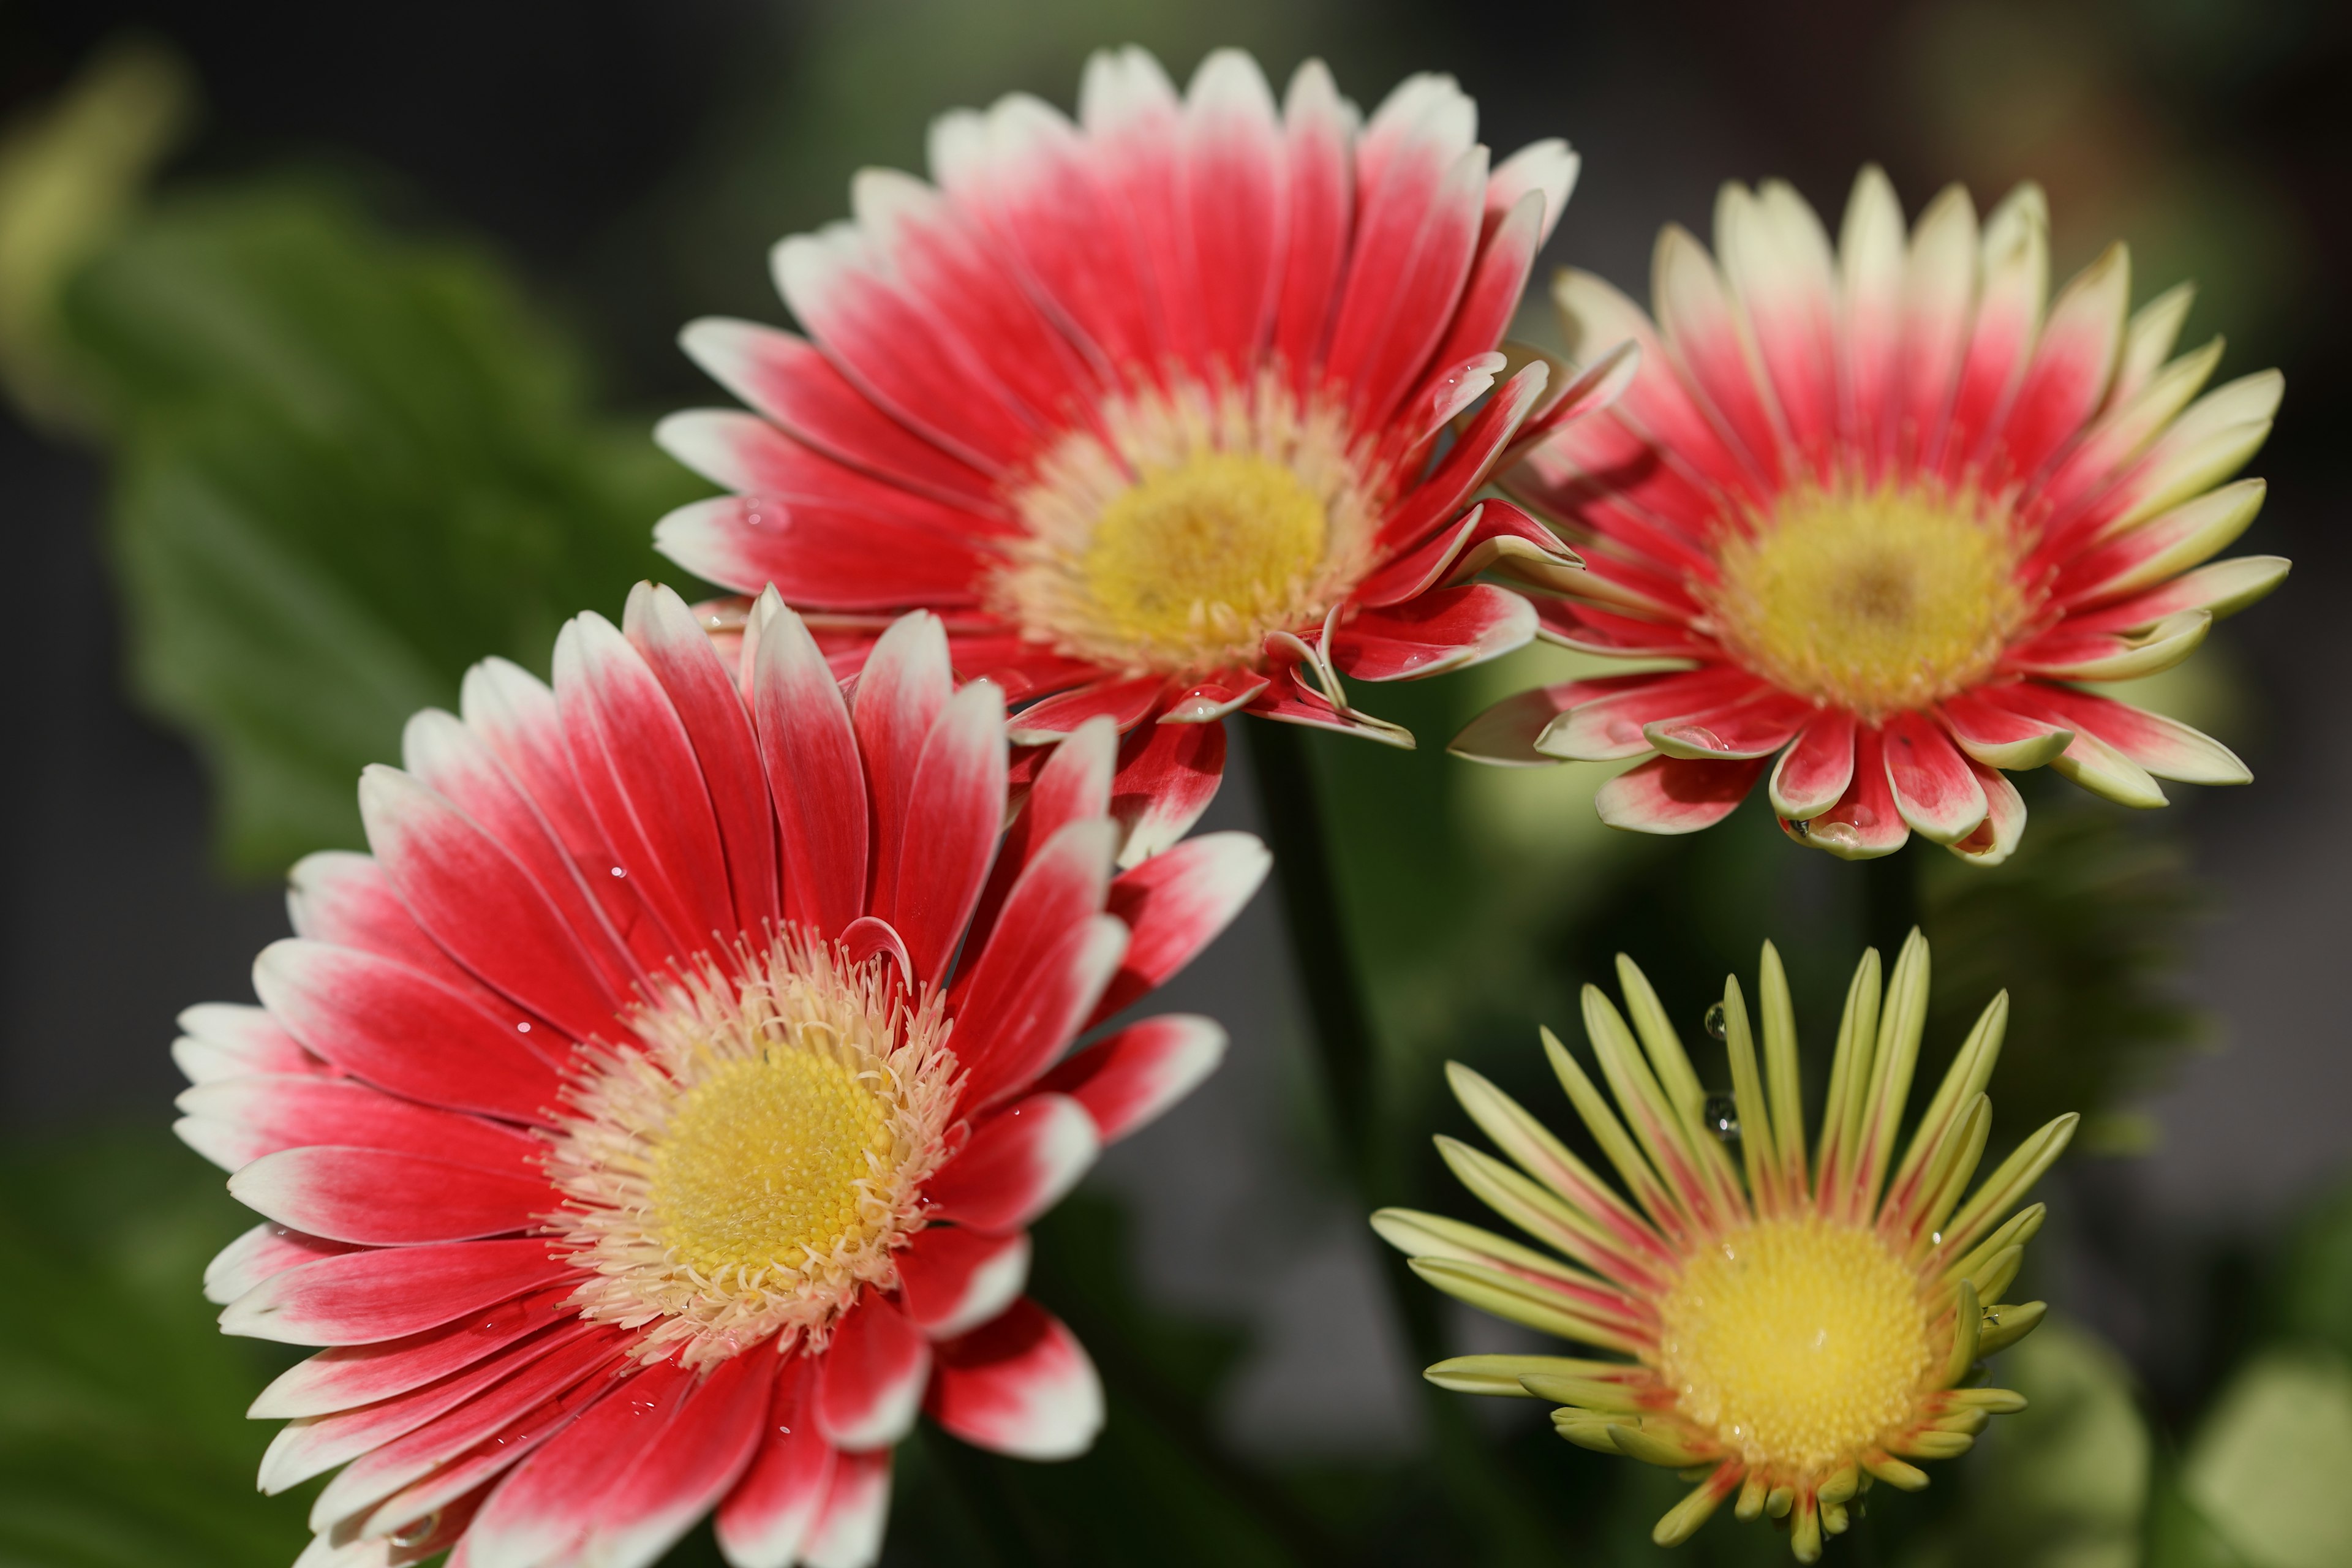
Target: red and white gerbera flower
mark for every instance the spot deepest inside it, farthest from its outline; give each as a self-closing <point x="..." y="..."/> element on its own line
<point x="1145" y="406"/>
<point x="1889" y="510"/>
<point x="629" y="1128"/>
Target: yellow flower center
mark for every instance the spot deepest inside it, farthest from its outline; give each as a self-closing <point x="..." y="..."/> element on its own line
<point x="1225" y="543"/>
<point x="1796" y="1342"/>
<point x="1169" y="535"/>
<point x="755" y="1154"/>
<point x="1878" y="601"/>
<point x="761" y="1165"/>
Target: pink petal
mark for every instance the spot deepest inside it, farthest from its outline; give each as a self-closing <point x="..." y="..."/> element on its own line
<point x="1815" y="770"/>
<point x="1125" y="702"/>
<point x="1018" y="1164"/>
<point x="1168" y="775"/>
<point x="1701" y="326"/>
<point x="1933" y="788"/>
<point x="459" y="1453"/>
<point x="820" y="555"/>
<point x="871" y="1377"/>
<point x="1675" y="794"/>
<point x="638" y="769"/>
<point x="2072" y="366"/>
<point x="1174" y="904"/>
<point x="2015" y="280"/>
<point x="334" y="896"/>
<point x="1778" y="260"/>
<point x="1057" y="893"/>
<point x="891" y="345"/>
<point x="1505" y="733"/>
<point x="1864" y="823"/>
<point x="223" y="1039"/>
<point x="1419" y="212"/>
<point x="313" y="1445"/>
<point x="1020" y="1385"/>
<point x="1005" y="1044"/>
<point x="1490" y="532"/>
<point x="541" y="1511"/>
<point x="676" y="1480"/>
<point x="1996" y="837"/>
<point x="814" y="774"/>
<point x="1446" y="629"/>
<point x="350" y="1376"/>
<point x="2165" y="747"/>
<point x="1938" y="292"/>
<point x="1073" y="785"/>
<point x="1999" y="736"/>
<point x="1127" y="1079"/>
<point x="1752" y="726"/>
<point x="1236" y="186"/>
<point x="953" y="1279"/>
<point x="1135" y="128"/>
<point x="236" y="1121"/>
<point x="745" y="454"/>
<point x="1498" y="278"/>
<point x="1611" y="726"/>
<point x="955" y="809"/>
<point x="379" y="1198"/>
<point x="904" y="684"/>
<point x="765" y="1518"/>
<point x="481" y="904"/>
<point x="263" y="1251"/>
<point x="404" y="1031"/>
<point x="849" y="1524"/>
<point x="1467" y="464"/>
<point x="366" y="1297"/>
<point x="787" y="379"/>
<point x="680" y="652"/>
<point x="1318" y="128"/>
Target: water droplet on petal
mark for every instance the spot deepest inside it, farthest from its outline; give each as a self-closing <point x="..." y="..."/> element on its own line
<point x="1717" y="1025"/>
<point x="618" y="873"/>
<point x="1722" y="1116"/>
<point x="416" y="1534"/>
<point x="522" y="1028"/>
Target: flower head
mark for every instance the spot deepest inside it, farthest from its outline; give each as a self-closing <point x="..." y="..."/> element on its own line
<point x="652" y="1122"/>
<point x="1885" y="511"/>
<point x="1145" y="406"/>
<point x="1792" y="1329"/>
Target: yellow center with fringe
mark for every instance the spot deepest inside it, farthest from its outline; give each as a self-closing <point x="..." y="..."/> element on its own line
<point x="1208" y="552"/>
<point x="761" y="1162"/>
<point x="1797" y="1342"/>
<point x="1876" y="600"/>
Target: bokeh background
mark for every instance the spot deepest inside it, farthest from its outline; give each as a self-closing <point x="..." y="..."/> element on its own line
<point x="331" y="338"/>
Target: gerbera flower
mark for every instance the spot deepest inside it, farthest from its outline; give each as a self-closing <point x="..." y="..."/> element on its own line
<point x="1790" y="1331"/>
<point x="628" y="1127"/>
<point x="1888" y="511"/>
<point x="1144" y="407"/>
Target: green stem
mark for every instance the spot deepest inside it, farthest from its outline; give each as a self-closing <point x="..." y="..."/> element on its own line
<point x="1890" y="900"/>
<point x="1342" y="1033"/>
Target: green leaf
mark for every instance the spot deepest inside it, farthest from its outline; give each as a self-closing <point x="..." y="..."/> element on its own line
<point x="122" y="1439"/>
<point x="2315" y="1289"/>
<point x="349" y="466"/>
<point x="2267" y="1467"/>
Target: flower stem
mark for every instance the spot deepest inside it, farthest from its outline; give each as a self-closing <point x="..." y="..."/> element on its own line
<point x="1342" y="1033"/>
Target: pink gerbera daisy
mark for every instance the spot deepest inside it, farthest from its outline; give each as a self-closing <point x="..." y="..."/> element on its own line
<point x="1148" y="407"/>
<point x="629" y="1127"/>
<point x="1887" y="511"/>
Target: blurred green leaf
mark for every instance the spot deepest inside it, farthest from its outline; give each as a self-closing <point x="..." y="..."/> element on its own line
<point x="2085" y="928"/>
<point x="2268" y="1465"/>
<point x="122" y="1438"/>
<point x="2064" y="1483"/>
<point x="2315" y="1288"/>
<point x="349" y="464"/>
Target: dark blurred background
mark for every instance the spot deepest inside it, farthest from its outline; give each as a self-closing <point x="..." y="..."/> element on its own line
<point x="632" y="164"/>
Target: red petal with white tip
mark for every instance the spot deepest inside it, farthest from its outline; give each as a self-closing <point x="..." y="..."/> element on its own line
<point x="676" y="1480"/>
<point x="1813" y="772"/>
<point x="406" y="1031"/>
<point x="951" y="1279"/>
<point x="813" y="773"/>
<point x="1018" y="1164"/>
<point x="1125" y="702"/>
<point x="1006" y="1043"/>
<point x="1020" y="1385"/>
<point x="1168" y="775"/>
<point x="1933" y="788"/>
<point x="770" y="1513"/>
<point x="1675" y="794"/>
<point x="1175" y="904"/>
<point x="1439" y="631"/>
<point x="871" y="1377"/>
<point x="349" y="1376"/>
<point x="847" y="1532"/>
<point x="955" y="809"/>
<point x="335" y="895"/>
<point x="234" y="1121"/>
<point x="1864" y="823"/>
<point x="905" y="683"/>
<point x="1127" y="1079"/>
<point x="380" y="1197"/>
<point x="368" y="1296"/>
<point x="225" y="1039"/>
<point x="263" y="1251"/>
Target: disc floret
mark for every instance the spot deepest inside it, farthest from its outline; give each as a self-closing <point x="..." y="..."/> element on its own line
<point x="756" y="1153"/>
<point x="1793" y="1328"/>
